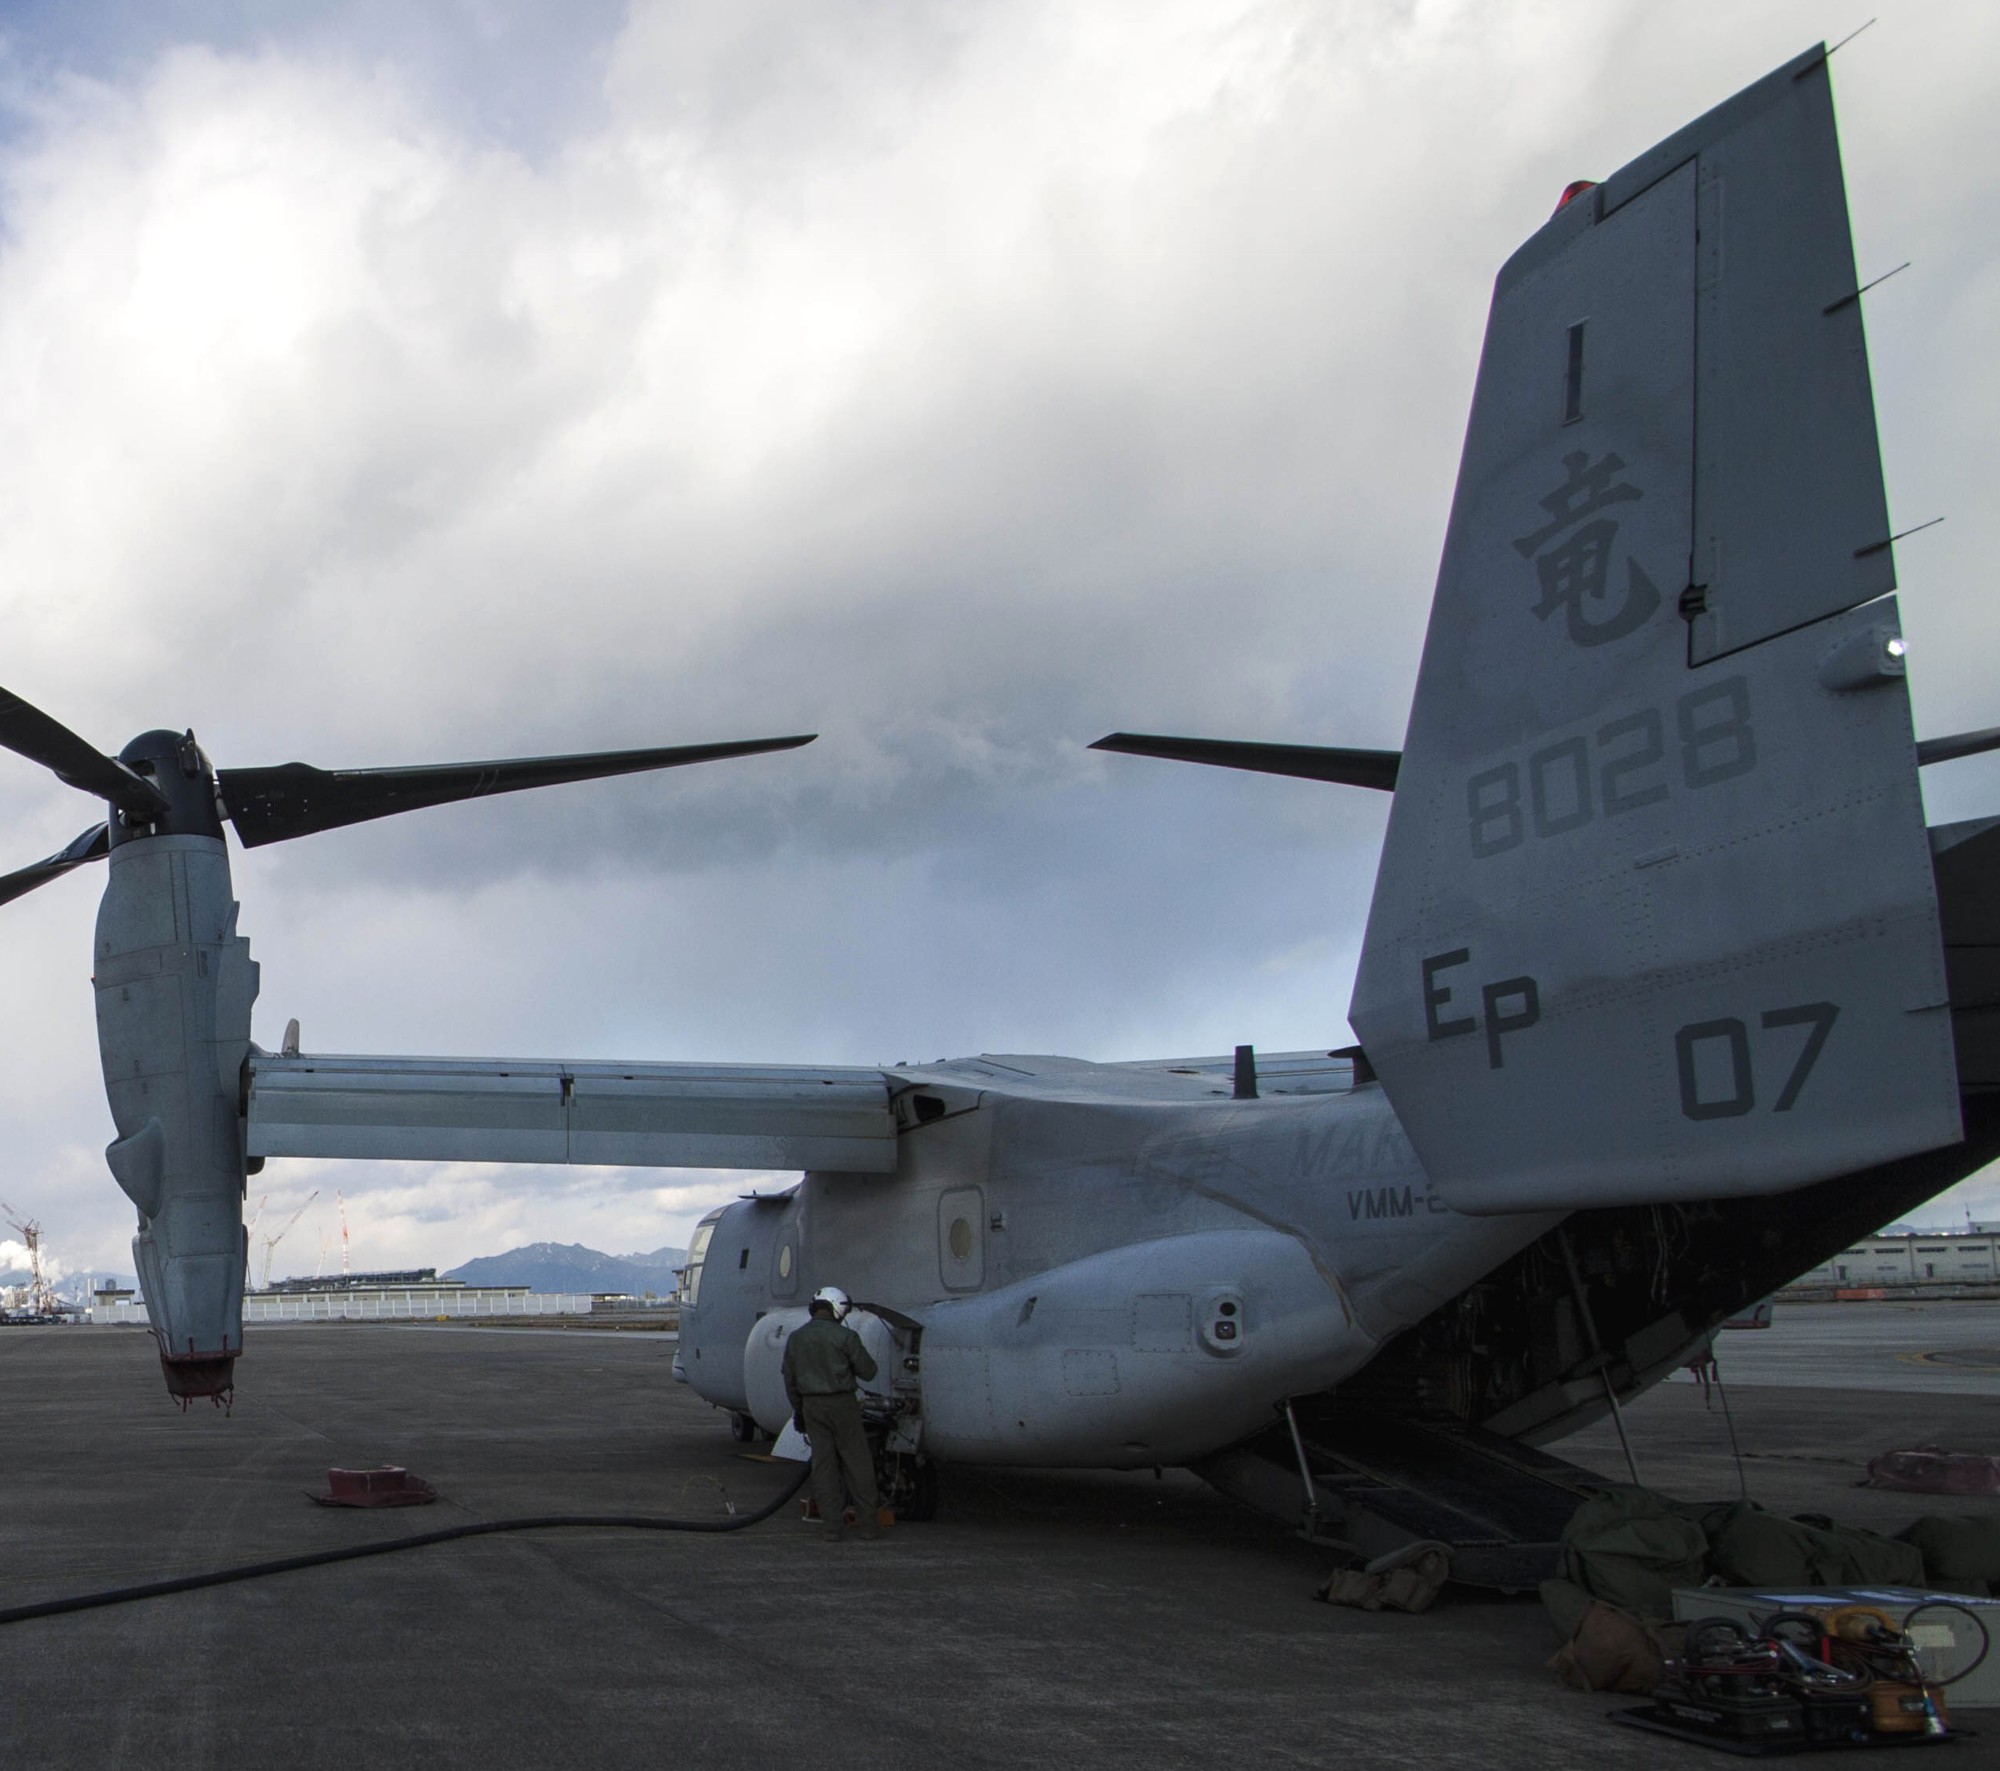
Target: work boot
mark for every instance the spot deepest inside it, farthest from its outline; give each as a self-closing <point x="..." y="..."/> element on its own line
<point x="869" y="1533"/>
<point x="836" y="1534"/>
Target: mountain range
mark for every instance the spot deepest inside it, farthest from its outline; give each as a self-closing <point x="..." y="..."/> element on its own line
<point x="569" y="1266"/>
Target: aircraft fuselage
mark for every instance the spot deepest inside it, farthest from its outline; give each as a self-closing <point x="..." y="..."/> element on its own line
<point x="1111" y="1265"/>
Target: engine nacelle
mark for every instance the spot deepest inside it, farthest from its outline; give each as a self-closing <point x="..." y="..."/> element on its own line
<point x="174" y="987"/>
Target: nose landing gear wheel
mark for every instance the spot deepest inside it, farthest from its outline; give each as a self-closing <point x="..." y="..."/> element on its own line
<point x="743" y="1429"/>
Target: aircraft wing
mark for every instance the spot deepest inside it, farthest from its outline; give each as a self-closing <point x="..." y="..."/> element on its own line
<point x="614" y="1114"/>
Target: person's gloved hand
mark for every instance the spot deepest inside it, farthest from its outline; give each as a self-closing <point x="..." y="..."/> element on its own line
<point x="798" y="1422"/>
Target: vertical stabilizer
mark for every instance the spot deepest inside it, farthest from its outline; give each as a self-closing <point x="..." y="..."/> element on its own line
<point x="1655" y="917"/>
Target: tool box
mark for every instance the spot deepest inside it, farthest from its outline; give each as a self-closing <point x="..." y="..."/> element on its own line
<point x="1946" y="1639"/>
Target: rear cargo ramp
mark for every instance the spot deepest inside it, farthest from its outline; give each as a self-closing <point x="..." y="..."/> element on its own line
<point x="1499" y="1507"/>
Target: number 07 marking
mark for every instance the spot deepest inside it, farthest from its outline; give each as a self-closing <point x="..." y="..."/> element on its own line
<point x="1732" y="1038"/>
<point x="1819" y="1016"/>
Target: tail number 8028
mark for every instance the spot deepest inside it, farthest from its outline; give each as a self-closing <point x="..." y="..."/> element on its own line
<point x="1622" y="766"/>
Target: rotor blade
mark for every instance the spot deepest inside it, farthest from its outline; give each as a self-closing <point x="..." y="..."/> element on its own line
<point x="1944" y="750"/>
<point x="28" y="731"/>
<point x="295" y="799"/>
<point x="1309" y="762"/>
<point x="93" y="845"/>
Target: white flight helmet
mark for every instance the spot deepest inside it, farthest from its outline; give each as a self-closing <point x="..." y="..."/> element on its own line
<point x="835" y="1299"/>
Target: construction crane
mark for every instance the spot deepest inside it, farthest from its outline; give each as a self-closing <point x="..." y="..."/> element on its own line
<point x="41" y="1295"/>
<point x="271" y="1242"/>
<point x="340" y="1204"/>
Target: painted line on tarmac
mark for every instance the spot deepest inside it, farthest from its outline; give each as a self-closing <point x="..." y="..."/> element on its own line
<point x="1957" y="1358"/>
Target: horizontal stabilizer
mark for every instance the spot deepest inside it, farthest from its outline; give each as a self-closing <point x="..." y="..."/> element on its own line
<point x="1309" y="762"/>
<point x="1944" y="750"/>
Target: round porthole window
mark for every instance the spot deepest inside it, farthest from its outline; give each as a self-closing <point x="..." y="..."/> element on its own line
<point x="961" y="1239"/>
<point x="785" y="1262"/>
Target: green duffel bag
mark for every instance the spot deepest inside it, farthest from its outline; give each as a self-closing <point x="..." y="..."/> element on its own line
<point x="1962" y="1553"/>
<point x="1748" y="1547"/>
<point x="1860" y="1558"/>
<point x="1630" y="1548"/>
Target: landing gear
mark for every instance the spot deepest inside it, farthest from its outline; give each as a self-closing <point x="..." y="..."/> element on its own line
<point x="744" y="1429"/>
<point x="908" y="1483"/>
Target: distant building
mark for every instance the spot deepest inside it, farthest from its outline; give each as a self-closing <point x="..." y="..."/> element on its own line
<point x="413" y="1276"/>
<point x="408" y="1296"/>
<point x="366" y="1297"/>
<point x="1913" y="1257"/>
<point x="116" y="1303"/>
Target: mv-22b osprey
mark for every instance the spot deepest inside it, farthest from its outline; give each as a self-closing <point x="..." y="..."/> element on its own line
<point x="1667" y="991"/>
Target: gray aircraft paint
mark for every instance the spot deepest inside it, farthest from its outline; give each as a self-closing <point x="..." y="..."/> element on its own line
<point x="1103" y="1200"/>
<point x="1655" y="921"/>
<point x="175" y="984"/>
<point x="1690" y="860"/>
<point x="175" y="987"/>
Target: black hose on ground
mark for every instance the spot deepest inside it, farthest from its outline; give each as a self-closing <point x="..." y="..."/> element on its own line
<point x="217" y="1577"/>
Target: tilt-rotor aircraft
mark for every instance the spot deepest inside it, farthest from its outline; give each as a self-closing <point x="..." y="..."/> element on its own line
<point x="1667" y="991"/>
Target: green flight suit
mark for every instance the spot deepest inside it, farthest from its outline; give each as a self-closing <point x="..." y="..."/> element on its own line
<point x="823" y="1363"/>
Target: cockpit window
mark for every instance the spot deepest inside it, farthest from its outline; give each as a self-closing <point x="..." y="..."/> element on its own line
<point x="697" y="1253"/>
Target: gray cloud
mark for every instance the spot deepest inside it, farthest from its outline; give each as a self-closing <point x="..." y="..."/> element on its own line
<point x="961" y="384"/>
<point x="503" y="69"/>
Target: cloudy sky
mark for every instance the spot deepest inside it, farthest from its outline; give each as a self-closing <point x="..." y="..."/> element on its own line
<point x="960" y="381"/>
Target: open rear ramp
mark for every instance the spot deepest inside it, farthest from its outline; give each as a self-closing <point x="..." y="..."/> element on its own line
<point x="1499" y="1507"/>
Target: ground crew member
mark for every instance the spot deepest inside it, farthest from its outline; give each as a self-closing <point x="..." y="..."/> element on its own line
<point x="823" y="1363"/>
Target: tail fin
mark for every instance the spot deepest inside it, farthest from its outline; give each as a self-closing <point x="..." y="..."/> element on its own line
<point x="1655" y="917"/>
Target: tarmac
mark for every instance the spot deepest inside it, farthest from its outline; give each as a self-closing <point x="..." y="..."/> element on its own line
<point x="1042" y="1619"/>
